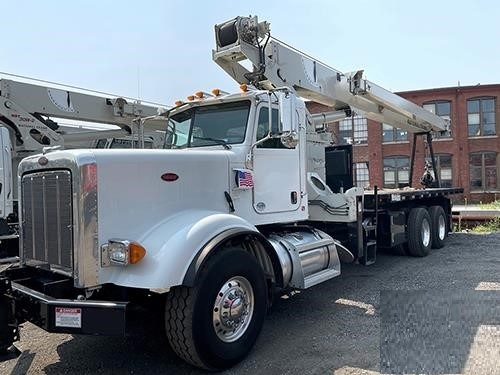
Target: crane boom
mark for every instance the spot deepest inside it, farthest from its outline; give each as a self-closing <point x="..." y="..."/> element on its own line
<point x="276" y="64"/>
<point x="23" y="105"/>
<point x="73" y="105"/>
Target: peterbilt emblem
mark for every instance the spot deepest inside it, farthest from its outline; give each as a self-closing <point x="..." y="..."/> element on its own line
<point x="43" y="160"/>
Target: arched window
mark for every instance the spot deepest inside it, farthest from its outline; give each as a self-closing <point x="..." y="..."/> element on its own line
<point x="444" y="170"/>
<point x="481" y="117"/>
<point x="396" y="172"/>
<point x="353" y="130"/>
<point x="392" y="134"/>
<point x="441" y="108"/>
<point x="362" y="174"/>
<point x="483" y="171"/>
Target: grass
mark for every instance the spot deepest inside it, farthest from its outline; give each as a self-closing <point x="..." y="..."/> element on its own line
<point x="490" y="206"/>
<point x="492" y="225"/>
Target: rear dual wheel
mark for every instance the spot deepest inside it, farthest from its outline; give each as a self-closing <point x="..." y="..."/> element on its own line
<point x="439" y="226"/>
<point x="419" y="232"/>
<point x="426" y="229"/>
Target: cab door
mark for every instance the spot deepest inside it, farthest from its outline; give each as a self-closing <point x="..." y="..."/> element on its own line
<point x="276" y="170"/>
<point x="6" y="188"/>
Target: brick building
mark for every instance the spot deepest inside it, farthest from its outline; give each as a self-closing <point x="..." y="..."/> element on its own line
<point x="467" y="156"/>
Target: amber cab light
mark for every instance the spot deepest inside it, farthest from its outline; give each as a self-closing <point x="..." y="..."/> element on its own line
<point x="136" y="253"/>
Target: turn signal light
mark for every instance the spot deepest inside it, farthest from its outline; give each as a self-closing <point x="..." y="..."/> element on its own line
<point x="118" y="252"/>
<point x="136" y="253"/>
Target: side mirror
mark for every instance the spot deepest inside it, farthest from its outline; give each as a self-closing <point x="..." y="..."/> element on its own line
<point x="288" y="124"/>
<point x="287" y="110"/>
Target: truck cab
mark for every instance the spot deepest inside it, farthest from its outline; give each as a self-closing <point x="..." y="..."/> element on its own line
<point x="257" y="143"/>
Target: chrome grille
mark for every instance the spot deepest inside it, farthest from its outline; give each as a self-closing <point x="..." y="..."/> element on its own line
<point x="47" y="217"/>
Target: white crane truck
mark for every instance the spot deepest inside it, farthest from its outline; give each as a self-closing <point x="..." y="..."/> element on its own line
<point x="27" y="126"/>
<point x="205" y="231"/>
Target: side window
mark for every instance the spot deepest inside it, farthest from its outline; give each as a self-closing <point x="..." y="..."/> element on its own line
<point x="263" y="128"/>
<point x="121" y="143"/>
<point x="101" y="143"/>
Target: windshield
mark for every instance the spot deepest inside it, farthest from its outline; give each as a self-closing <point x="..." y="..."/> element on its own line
<point x="122" y="143"/>
<point x="219" y="124"/>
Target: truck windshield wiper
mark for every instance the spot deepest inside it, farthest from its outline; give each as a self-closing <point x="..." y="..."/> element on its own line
<point x="216" y="140"/>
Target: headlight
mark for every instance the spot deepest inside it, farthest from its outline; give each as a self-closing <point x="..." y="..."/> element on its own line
<point x="121" y="253"/>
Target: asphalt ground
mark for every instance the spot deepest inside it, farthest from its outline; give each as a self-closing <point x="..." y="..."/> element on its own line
<point x="402" y="315"/>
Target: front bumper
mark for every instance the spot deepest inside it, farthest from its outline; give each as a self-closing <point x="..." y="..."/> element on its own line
<point x="49" y="301"/>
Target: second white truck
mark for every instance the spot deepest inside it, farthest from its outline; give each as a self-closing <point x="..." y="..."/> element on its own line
<point x="30" y="122"/>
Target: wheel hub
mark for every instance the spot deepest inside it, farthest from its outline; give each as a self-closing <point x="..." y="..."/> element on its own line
<point x="233" y="309"/>
<point x="442" y="228"/>
<point x="426" y="233"/>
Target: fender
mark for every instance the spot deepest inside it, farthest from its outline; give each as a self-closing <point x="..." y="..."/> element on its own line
<point x="173" y="245"/>
<point x="212" y="245"/>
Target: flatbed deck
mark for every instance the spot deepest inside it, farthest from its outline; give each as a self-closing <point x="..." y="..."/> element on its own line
<point x="388" y="196"/>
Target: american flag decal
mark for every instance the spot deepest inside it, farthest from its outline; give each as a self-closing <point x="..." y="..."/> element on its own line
<point x="244" y="178"/>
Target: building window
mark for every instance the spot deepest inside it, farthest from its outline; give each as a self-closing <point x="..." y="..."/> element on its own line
<point x="396" y="171"/>
<point x="441" y="108"/>
<point x="481" y="117"/>
<point x="362" y="175"/>
<point x="443" y="166"/>
<point x="353" y="130"/>
<point x="483" y="171"/>
<point x="392" y="134"/>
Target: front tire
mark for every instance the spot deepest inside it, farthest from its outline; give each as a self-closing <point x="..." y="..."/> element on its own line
<point x="214" y="324"/>
<point x="419" y="232"/>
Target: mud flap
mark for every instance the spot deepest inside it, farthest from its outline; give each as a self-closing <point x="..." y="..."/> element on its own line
<point x="9" y="329"/>
<point x="345" y="255"/>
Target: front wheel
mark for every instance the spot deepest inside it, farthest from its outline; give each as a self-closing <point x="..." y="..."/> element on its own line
<point x="214" y="324"/>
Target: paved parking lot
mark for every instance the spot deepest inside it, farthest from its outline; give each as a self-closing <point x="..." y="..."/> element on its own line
<point x="437" y="315"/>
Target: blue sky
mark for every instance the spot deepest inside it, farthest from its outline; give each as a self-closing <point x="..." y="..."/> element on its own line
<point x="161" y="50"/>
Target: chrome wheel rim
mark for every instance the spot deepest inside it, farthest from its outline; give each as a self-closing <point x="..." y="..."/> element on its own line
<point x="441" y="227"/>
<point x="233" y="309"/>
<point x="426" y="233"/>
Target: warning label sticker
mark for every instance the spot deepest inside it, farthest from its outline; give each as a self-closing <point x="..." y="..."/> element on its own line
<point x="68" y="317"/>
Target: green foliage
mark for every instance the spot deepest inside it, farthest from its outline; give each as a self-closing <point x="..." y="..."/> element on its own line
<point x="491" y="206"/>
<point x="492" y="225"/>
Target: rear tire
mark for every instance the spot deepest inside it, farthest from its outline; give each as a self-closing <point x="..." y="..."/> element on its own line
<point x="419" y="232"/>
<point x="439" y="226"/>
<point x="214" y="324"/>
